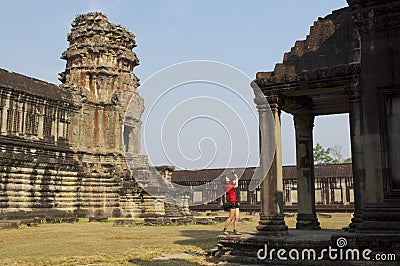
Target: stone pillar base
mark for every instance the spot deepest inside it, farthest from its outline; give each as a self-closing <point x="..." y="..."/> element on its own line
<point x="376" y="242"/>
<point x="307" y="222"/>
<point x="250" y="247"/>
<point x="355" y="221"/>
<point x="272" y="224"/>
<point x="254" y="249"/>
<point x="380" y="218"/>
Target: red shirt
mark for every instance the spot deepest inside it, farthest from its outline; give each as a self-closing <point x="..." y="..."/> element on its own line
<point x="230" y="192"/>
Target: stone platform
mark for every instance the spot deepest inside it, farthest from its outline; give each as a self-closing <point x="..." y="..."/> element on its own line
<point x="305" y="247"/>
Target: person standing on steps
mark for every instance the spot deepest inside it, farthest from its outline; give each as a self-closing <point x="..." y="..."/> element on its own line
<point x="232" y="188"/>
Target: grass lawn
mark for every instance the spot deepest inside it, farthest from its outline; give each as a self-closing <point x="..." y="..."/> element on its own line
<point x="97" y="243"/>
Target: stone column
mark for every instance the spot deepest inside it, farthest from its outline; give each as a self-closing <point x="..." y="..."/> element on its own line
<point x="55" y="125"/>
<point x="5" y="107"/>
<point x="271" y="216"/>
<point x="41" y="121"/>
<point x="306" y="217"/>
<point x="357" y="146"/>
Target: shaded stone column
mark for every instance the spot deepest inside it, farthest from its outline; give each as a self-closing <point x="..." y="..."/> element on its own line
<point x="271" y="189"/>
<point x="306" y="217"/>
<point x="379" y="27"/>
<point x="357" y="146"/>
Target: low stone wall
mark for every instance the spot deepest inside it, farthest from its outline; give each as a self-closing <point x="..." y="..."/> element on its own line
<point x="8" y="224"/>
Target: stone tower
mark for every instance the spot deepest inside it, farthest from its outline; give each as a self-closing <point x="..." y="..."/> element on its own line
<point x="99" y="74"/>
<point x="99" y="71"/>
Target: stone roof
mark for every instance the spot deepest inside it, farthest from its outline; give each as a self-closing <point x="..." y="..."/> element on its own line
<point x="318" y="72"/>
<point x="289" y="172"/>
<point x="326" y="170"/>
<point x="32" y="86"/>
<point x="332" y="42"/>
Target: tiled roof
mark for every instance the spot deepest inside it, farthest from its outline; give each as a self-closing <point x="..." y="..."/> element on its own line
<point x="289" y="172"/>
<point x="32" y="86"/>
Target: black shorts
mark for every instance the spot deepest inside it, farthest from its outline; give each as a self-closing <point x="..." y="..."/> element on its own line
<point x="235" y="205"/>
<point x="227" y="206"/>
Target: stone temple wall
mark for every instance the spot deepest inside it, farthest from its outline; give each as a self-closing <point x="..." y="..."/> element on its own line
<point x="62" y="147"/>
<point x="38" y="170"/>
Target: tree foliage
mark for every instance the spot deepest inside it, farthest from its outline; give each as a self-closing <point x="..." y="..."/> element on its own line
<point x="321" y="155"/>
<point x="329" y="155"/>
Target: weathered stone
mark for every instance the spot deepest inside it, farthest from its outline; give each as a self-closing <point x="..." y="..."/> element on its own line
<point x="220" y="219"/>
<point x="156" y="221"/>
<point x="30" y="222"/>
<point x="98" y="219"/>
<point x="126" y="223"/>
<point x="71" y="220"/>
<point x="7" y="224"/>
<point x="178" y="220"/>
<point x="53" y="220"/>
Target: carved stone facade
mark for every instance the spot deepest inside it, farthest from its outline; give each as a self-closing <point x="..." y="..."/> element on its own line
<point x="62" y="147"/>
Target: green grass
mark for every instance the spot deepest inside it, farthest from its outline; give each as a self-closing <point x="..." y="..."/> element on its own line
<point x="102" y="244"/>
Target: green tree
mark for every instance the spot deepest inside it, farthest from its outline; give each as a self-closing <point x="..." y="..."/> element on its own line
<point x="348" y="160"/>
<point x="321" y="155"/>
<point x="329" y="155"/>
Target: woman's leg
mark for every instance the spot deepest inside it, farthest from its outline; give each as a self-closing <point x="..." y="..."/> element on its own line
<point x="231" y="215"/>
<point x="237" y="217"/>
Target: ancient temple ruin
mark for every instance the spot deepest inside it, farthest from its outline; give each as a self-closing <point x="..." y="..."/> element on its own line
<point x="62" y="147"/>
<point x="349" y="63"/>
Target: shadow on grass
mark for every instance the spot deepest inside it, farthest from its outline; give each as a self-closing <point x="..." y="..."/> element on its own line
<point x="204" y="239"/>
<point x="171" y="262"/>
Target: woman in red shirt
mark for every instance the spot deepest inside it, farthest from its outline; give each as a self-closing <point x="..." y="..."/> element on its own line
<point x="230" y="186"/>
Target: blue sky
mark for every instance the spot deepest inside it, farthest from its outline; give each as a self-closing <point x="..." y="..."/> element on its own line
<point x="251" y="36"/>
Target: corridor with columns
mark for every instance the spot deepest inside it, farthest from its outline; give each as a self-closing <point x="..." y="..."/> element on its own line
<point x="348" y="64"/>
